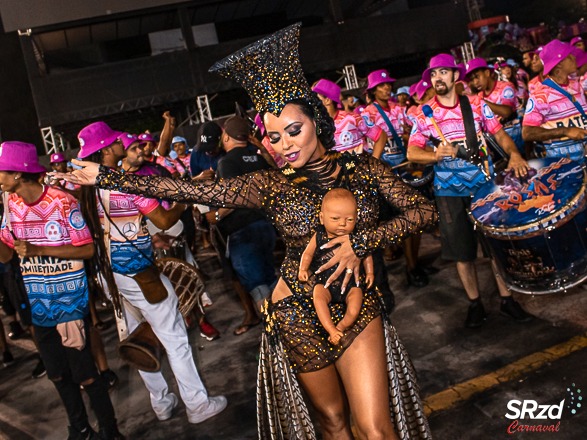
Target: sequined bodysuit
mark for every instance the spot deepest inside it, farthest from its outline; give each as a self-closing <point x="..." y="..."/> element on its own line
<point x="291" y="198"/>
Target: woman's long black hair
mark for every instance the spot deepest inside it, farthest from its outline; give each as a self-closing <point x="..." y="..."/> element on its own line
<point x="100" y="262"/>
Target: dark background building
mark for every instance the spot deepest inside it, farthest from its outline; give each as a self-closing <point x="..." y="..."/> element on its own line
<point x="71" y="62"/>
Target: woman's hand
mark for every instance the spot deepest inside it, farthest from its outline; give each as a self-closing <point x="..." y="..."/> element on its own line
<point x="85" y="176"/>
<point x="346" y="259"/>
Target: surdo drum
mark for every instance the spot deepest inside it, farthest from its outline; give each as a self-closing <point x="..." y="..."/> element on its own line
<point x="536" y="227"/>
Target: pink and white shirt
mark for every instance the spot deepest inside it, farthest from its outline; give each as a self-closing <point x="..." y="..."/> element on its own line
<point x="57" y="288"/>
<point x="130" y="242"/>
<point x="393" y="154"/>
<point x="352" y="132"/>
<point x="549" y="108"/>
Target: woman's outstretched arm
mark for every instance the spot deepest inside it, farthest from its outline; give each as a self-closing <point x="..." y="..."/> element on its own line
<point x="239" y="192"/>
<point x="416" y="212"/>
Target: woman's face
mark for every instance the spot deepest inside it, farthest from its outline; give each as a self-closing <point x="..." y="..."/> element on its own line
<point x="293" y="136"/>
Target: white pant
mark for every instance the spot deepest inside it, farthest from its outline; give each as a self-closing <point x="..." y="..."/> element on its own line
<point x="169" y="326"/>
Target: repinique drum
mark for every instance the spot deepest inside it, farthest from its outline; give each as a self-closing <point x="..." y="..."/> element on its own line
<point x="177" y="246"/>
<point x="536" y="227"/>
<point x="416" y="175"/>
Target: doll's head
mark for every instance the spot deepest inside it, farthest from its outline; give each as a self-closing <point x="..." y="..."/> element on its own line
<point x="339" y="212"/>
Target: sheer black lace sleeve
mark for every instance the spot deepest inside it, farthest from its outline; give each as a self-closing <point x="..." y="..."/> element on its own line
<point x="238" y="192"/>
<point x="416" y="211"/>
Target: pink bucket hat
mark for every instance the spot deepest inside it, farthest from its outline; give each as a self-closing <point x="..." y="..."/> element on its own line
<point x="553" y="53"/>
<point x="20" y="157"/>
<point x="575" y="40"/>
<point x="474" y="64"/>
<point x="96" y="136"/>
<point x="421" y="88"/>
<point x="378" y="77"/>
<point x="442" y="60"/>
<point x="413" y="88"/>
<point x="58" y="158"/>
<point x="128" y="139"/>
<point x="329" y="89"/>
<point x="580" y="56"/>
<point x="146" y="137"/>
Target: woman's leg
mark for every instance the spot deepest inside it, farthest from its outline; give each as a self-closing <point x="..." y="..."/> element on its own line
<point x="363" y="370"/>
<point x="326" y="393"/>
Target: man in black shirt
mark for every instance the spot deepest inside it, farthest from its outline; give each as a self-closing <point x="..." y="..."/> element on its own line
<point x="250" y="237"/>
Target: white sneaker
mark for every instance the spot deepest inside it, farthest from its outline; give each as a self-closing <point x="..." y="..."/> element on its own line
<point x="206" y="301"/>
<point x="166" y="415"/>
<point x="215" y="406"/>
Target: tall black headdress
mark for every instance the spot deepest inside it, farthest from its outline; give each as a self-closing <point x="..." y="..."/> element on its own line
<point x="269" y="70"/>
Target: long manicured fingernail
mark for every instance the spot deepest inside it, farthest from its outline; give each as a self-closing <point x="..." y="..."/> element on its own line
<point x="318" y="271"/>
<point x="326" y="285"/>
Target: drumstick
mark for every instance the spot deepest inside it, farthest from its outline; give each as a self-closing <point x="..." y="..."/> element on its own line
<point x="403" y="164"/>
<point x="429" y="113"/>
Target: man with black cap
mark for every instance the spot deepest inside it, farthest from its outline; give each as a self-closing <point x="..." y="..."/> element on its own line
<point x="207" y="153"/>
<point x="250" y="236"/>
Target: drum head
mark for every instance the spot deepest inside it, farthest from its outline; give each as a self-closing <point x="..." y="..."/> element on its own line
<point x="553" y="192"/>
<point x="174" y="231"/>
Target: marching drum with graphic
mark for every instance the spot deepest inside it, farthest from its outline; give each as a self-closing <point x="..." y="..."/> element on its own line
<point x="536" y="227"/>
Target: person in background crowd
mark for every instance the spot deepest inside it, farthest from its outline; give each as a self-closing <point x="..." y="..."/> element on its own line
<point x="352" y="131"/>
<point x="131" y="253"/>
<point x="276" y="160"/>
<point x="391" y="119"/>
<point x="58" y="163"/>
<point x="459" y="175"/>
<point x="134" y="162"/>
<point x="249" y="236"/>
<point x="156" y="152"/>
<point x="180" y="147"/>
<point x="555" y="114"/>
<point x="536" y="67"/>
<point x="43" y="225"/>
<point x="500" y="97"/>
<point x="578" y="43"/>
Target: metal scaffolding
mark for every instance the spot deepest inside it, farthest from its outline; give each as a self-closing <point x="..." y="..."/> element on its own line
<point x="350" y="77"/>
<point x="468" y="52"/>
<point x="198" y="112"/>
<point x="52" y="140"/>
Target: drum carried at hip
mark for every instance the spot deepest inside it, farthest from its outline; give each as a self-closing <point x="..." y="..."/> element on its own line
<point x="142" y="349"/>
<point x="536" y="227"/>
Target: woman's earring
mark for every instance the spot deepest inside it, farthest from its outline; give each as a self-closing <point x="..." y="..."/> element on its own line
<point x="318" y="130"/>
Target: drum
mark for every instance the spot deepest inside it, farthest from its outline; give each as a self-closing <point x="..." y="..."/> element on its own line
<point x="536" y="227"/>
<point x="142" y="349"/>
<point x="188" y="283"/>
<point x="416" y="175"/>
<point x="177" y="246"/>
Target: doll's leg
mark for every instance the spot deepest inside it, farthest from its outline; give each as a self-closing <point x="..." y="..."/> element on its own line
<point x="354" y="300"/>
<point x="321" y="297"/>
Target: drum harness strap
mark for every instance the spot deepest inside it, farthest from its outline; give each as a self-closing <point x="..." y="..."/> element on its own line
<point x="550" y="83"/>
<point x="470" y="150"/>
<point x="394" y="135"/>
<point x="125" y="305"/>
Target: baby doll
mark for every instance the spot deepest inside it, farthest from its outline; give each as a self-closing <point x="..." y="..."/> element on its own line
<point x="338" y="216"/>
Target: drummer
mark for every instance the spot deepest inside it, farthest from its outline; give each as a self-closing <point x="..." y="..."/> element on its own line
<point x="500" y="97"/>
<point x="458" y="174"/>
<point x="352" y="131"/>
<point x="392" y="120"/>
<point x="555" y="113"/>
